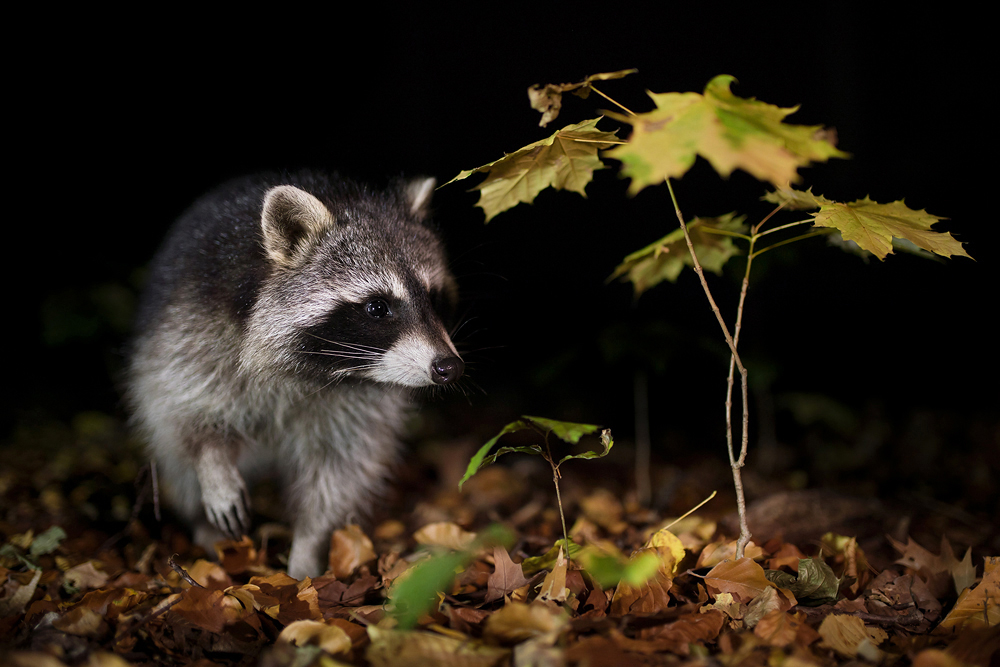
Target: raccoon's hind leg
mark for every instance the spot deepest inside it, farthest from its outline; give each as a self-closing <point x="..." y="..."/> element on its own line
<point x="321" y="498"/>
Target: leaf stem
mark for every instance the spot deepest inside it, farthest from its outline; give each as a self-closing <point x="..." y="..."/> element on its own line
<point x="818" y="232"/>
<point x="778" y="229"/>
<point x="616" y="103"/>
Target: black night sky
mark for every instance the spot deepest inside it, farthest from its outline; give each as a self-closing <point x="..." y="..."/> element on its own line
<point x="116" y="133"/>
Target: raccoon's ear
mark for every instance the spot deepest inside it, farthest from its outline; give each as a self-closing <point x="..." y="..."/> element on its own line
<point x="290" y="218"/>
<point x="418" y="196"/>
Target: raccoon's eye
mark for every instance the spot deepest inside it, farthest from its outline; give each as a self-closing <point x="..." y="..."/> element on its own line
<point x="377" y="308"/>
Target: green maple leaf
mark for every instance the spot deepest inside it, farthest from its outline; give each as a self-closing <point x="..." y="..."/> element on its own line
<point x="570" y="432"/>
<point x="871" y="225"/>
<point x="565" y="161"/>
<point x="667" y="257"/>
<point x="730" y="132"/>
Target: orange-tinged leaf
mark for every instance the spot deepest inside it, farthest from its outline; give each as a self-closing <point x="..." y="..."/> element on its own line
<point x="398" y="648"/>
<point x="652" y="594"/>
<point x="236" y="556"/>
<point x="517" y="622"/>
<point x="565" y="160"/>
<point x="779" y="628"/>
<point x="977" y="607"/>
<point x="330" y="638"/>
<point x="687" y="630"/>
<point x="729" y="131"/>
<point x="444" y="534"/>
<point x="349" y="549"/>
<point x="743" y="578"/>
<point x="554" y="584"/>
<point x="209" y="575"/>
<point x="849" y="636"/>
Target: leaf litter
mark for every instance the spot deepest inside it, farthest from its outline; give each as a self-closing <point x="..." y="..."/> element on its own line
<point x="627" y="591"/>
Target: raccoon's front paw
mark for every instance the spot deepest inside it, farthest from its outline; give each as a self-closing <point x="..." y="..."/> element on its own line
<point x="223" y="493"/>
<point x="228" y="509"/>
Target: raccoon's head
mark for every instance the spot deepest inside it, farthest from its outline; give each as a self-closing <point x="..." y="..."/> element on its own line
<point x="358" y="288"/>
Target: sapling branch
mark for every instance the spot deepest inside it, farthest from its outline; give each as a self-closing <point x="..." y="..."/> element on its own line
<point x="555" y="480"/>
<point x="734" y="464"/>
<point x="616" y="103"/>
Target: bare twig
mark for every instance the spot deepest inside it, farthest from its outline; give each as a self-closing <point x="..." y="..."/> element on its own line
<point x="181" y="571"/>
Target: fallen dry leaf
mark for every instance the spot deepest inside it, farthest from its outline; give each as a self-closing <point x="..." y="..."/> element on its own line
<point x="350" y="548"/>
<point x="743" y="578"/>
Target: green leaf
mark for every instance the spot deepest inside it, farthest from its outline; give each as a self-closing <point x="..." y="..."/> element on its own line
<point x="871" y="225"/>
<point x="606" y="442"/>
<point x="570" y="432"/>
<point x="547" y="561"/>
<point x="814" y="585"/>
<point x="479" y="459"/>
<point x="667" y="257"/>
<point x="730" y="132"/>
<point x="415" y="594"/>
<point x="610" y="569"/>
<point x="417" y="589"/>
<point x="565" y="161"/>
<point x="47" y="542"/>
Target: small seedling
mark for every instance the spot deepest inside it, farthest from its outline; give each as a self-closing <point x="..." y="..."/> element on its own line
<point x="567" y="431"/>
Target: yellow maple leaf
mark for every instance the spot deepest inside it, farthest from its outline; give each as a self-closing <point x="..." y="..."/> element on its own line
<point x="872" y="225"/>
<point x="566" y="160"/>
<point x="730" y="132"/>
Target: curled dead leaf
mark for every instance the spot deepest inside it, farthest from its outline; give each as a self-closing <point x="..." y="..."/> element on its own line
<point x="444" y="534"/>
<point x="330" y="638"/>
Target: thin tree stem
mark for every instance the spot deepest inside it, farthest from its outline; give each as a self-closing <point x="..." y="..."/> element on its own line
<point x="735" y="359"/>
<point x="555" y="481"/>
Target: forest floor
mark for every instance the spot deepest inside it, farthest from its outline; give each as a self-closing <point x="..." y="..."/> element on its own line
<point x="90" y="576"/>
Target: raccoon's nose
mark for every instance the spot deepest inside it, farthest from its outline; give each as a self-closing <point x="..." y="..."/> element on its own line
<point x="447" y="370"/>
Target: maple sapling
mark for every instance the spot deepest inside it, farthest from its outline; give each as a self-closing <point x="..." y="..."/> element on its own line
<point x="731" y="133"/>
<point x="567" y="431"/>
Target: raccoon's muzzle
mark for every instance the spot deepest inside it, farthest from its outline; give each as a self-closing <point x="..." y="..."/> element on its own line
<point x="446" y="371"/>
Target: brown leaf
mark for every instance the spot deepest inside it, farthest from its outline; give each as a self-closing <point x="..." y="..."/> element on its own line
<point x="778" y="628"/>
<point x="605" y="509"/>
<point x="689" y="629"/>
<point x="517" y="622"/>
<point x="849" y="636"/>
<point x="349" y="549"/>
<point x="506" y="578"/>
<point x="296" y="600"/>
<point x="743" y="578"/>
<point x="237" y="556"/>
<point x="444" y="534"/>
<point x="976" y="608"/>
<point x="330" y="638"/>
<point x="85" y="576"/>
<point x="554" y="584"/>
<point x="397" y="648"/>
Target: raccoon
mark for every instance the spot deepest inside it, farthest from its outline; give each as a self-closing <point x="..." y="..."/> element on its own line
<point x="285" y="324"/>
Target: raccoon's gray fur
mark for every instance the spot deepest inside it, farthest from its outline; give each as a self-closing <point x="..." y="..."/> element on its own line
<point x="285" y="322"/>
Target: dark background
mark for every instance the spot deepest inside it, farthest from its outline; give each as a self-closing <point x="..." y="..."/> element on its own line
<point x="118" y="129"/>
